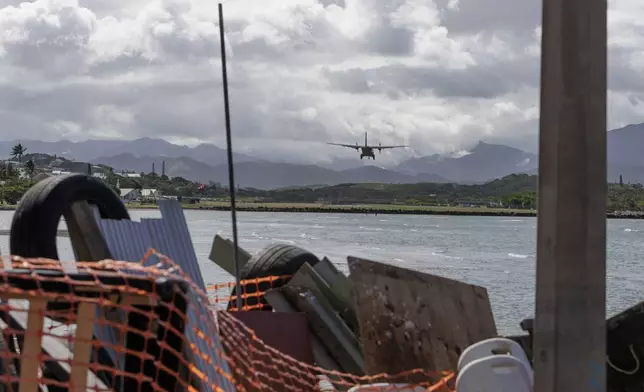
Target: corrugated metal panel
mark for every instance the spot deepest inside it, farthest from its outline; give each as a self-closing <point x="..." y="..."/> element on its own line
<point x="181" y="240"/>
<point x="128" y="241"/>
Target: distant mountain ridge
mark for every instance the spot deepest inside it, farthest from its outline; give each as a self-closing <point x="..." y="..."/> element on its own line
<point x="207" y="162"/>
<point x="263" y="174"/>
<point x="142" y="147"/>
<point x="482" y="163"/>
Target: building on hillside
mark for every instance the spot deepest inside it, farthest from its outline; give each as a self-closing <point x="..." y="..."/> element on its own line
<point x="149" y="192"/>
<point x="71" y="166"/>
<point x="102" y="176"/>
<point x="129" y="194"/>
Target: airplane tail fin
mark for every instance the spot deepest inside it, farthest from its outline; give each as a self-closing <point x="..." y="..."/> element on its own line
<point x="365" y="139"/>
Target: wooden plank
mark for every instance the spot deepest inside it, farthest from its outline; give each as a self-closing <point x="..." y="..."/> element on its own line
<point x="339" y="283"/>
<point x="30" y="354"/>
<point x="84" y="233"/>
<point x="570" y="328"/>
<point x="307" y="277"/>
<point x="322" y="358"/>
<point x="222" y="254"/>
<point x="83" y="346"/>
<point x="52" y="346"/>
<point x="328" y="270"/>
<point x="324" y="324"/>
<point x="411" y="320"/>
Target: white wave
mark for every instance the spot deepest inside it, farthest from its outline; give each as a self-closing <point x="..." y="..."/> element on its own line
<point x="371" y="228"/>
<point x="518" y="256"/>
<point x="446" y="256"/>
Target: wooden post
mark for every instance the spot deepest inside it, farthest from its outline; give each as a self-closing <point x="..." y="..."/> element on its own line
<point x="570" y="335"/>
<point x="85" y="235"/>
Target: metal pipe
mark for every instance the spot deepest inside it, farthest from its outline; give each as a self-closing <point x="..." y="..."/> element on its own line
<point x="229" y="148"/>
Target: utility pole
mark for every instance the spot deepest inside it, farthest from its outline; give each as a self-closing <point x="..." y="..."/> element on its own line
<point x="570" y="322"/>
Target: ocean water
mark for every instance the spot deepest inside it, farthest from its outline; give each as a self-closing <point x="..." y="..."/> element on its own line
<point x="495" y="252"/>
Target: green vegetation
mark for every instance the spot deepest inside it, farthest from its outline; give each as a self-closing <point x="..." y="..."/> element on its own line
<point x="513" y="192"/>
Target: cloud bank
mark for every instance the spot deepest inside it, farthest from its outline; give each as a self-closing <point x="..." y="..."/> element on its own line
<point x="436" y="74"/>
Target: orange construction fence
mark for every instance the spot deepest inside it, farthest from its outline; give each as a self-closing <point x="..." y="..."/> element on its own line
<point x="121" y="326"/>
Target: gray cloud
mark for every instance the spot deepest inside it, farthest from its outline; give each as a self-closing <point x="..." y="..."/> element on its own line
<point x="438" y="75"/>
<point x="485" y="80"/>
<point x="475" y="16"/>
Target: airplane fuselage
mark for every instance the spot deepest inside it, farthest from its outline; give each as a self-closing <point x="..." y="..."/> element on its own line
<point x="367" y="152"/>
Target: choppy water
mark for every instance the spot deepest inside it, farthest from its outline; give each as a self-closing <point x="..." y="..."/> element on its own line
<point x="494" y="252"/>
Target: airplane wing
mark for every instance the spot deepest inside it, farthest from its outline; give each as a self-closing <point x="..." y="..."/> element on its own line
<point x="383" y="147"/>
<point x="345" y="145"/>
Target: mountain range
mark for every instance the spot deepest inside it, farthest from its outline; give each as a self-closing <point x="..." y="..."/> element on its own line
<point x="207" y="162"/>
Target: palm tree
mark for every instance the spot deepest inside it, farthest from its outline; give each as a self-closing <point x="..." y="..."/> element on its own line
<point x="30" y="166"/>
<point x="18" y="151"/>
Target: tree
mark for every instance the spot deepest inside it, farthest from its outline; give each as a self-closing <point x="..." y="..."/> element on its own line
<point x="3" y="171"/>
<point x="18" y="151"/>
<point x="30" y="167"/>
<point x="11" y="172"/>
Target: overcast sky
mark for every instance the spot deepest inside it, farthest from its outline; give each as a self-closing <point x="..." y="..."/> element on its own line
<point x="436" y="74"/>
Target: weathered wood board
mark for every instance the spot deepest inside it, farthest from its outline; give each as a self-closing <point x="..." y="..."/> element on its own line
<point x="222" y="254"/>
<point x="410" y="319"/>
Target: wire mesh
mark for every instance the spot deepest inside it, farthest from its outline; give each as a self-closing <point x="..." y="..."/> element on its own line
<point x="47" y="339"/>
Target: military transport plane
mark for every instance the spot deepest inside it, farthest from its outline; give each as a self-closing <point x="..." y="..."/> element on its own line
<point x="366" y="150"/>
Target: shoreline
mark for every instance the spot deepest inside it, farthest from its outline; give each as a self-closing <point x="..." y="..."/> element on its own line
<point x="369" y="210"/>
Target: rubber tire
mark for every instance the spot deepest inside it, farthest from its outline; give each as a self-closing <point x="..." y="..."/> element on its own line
<point x="34" y="227"/>
<point x="274" y="260"/>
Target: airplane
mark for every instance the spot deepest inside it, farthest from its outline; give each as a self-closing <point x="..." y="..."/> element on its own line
<point x="366" y="150"/>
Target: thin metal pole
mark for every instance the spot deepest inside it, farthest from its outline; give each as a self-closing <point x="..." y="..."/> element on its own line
<point x="231" y="175"/>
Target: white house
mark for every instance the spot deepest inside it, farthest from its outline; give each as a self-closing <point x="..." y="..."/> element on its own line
<point x="100" y="175"/>
<point x="129" y="194"/>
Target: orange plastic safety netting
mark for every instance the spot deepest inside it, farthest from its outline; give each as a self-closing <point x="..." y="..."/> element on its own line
<point x="123" y="326"/>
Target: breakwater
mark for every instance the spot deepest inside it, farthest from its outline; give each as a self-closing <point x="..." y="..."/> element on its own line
<point x="405" y="211"/>
<point x="373" y="210"/>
